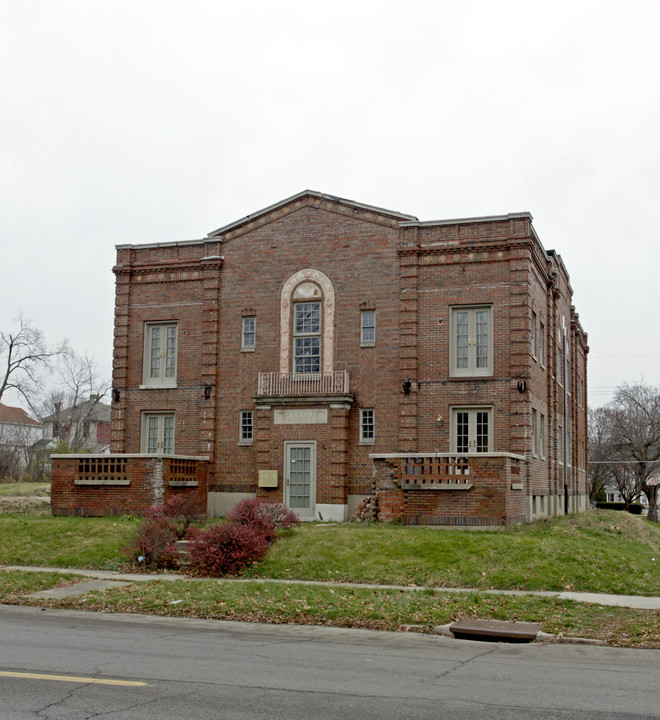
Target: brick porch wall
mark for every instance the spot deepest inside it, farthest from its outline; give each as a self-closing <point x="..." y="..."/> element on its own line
<point x="123" y="484"/>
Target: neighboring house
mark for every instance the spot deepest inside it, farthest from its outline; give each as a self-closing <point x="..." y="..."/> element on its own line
<point x="18" y="435"/>
<point x="85" y="426"/>
<point x="333" y="355"/>
<point x="612" y="493"/>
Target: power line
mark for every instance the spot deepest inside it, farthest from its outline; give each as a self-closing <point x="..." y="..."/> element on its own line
<point x="599" y="357"/>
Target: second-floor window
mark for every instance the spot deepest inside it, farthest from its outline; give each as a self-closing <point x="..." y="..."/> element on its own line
<point x="307" y="337"/>
<point x="248" y="333"/>
<point x="160" y="354"/>
<point x="471" y="341"/>
<point x="367" y="327"/>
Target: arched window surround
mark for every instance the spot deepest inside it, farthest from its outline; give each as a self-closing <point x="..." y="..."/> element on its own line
<point x="328" y="314"/>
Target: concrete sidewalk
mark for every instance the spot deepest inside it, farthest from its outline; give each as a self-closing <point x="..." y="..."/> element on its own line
<point x="104" y="579"/>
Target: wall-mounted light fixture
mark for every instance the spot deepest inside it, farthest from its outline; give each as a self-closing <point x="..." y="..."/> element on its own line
<point x="207" y="392"/>
<point x="115" y="395"/>
<point x="407" y="385"/>
<point x="522" y="386"/>
<point x="439" y="419"/>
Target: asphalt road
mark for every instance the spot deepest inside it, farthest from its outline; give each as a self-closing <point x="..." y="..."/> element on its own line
<point x="74" y="665"/>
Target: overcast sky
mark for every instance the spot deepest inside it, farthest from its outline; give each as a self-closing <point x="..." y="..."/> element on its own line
<point x="145" y="121"/>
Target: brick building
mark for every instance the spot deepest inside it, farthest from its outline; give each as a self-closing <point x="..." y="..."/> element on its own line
<point x="324" y="352"/>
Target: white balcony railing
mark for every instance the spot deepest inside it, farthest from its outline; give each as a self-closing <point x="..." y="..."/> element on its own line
<point x="320" y="383"/>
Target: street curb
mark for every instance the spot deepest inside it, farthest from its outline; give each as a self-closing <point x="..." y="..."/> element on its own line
<point x="541" y="637"/>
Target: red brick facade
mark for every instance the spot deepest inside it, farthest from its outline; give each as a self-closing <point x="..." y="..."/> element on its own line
<point x="100" y="485"/>
<point x="432" y="381"/>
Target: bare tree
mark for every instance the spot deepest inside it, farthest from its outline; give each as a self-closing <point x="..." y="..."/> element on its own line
<point x="635" y="437"/>
<point x="600" y="451"/>
<point x="23" y="356"/>
<point x="72" y="406"/>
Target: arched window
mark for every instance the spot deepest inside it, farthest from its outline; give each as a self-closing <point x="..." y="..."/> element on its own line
<point x="307" y="319"/>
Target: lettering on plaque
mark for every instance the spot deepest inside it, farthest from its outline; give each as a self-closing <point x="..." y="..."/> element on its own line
<point x="300" y="416"/>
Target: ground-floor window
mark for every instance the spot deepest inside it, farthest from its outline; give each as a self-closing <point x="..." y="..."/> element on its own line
<point x="367" y="427"/>
<point x="472" y="430"/>
<point x="158" y="433"/>
<point x="246" y="430"/>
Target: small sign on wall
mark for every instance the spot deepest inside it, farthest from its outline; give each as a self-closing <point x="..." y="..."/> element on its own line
<point x="268" y="478"/>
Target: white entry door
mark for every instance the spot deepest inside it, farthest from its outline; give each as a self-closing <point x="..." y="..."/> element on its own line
<point x="300" y="477"/>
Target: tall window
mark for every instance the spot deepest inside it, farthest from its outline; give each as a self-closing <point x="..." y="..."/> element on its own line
<point x="533" y="432"/>
<point x="160" y="340"/>
<point x="158" y="433"/>
<point x="307" y="337"/>
<point x="471" y="341"/>
<point x="560" y="444"/>
<point x="541" y="343"/>
<point x="368" y="327"/>
<point x="248" y="333"/>
<point x="472" y="430"/>
<point x="542" y="435"/>
<point x="534" y="343"/>
<point x="367" y="426"/>
<point x="246" y="429"/>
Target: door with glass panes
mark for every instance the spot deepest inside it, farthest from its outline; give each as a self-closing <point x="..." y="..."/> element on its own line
<point x="472" y="430"/>
<point x="158" y="433"/>
<point x="300" y="477"/>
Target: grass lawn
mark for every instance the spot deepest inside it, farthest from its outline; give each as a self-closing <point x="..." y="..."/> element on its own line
<point x="66" y="542"/>
<point x="12" y="489"/>
<point x="364" y="608"/>
<point x="15" y="585"/>
<point x="598" y="551"/>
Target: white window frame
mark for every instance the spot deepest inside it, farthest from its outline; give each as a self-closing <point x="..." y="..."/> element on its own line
<point x="472" y="412"/>
<point x="560" y="365"/>
<point x="248" y="332"/>
<point x="165" y="354"/>
<point x="367" y="426"/>
<point x="560" y="445"/>
<point x="534" y="338"/>
<point x="471" y="370"/>
<point x="304" y="335"/>
<point x="541" y="344"/>
<point x="164" y="424"/>
<point x="246" y="427"/>
<point x="367" y="328"/>
<point x="534" y="431"/>
<point x="542" y="436"/>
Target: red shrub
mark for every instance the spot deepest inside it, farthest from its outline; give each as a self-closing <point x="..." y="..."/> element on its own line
<point x="256" y="510"/>
<point x="154" y="544"/>
<point x="225" y="549"/>
<point x="182" y="509"/>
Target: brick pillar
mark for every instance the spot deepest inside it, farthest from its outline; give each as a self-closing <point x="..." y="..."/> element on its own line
<point x="520" y="350"/>
<point x="408" y="282"/>
<point x="211" y="267"/>
<point x="339" y="447"/>
<point x="120" y="350"/>
<point x="262" y="440"/>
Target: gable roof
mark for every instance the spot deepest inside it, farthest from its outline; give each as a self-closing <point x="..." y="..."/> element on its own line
<point x="318" y="196"/>
<point x="16" y="415"/>
<point x="91" y="409"/>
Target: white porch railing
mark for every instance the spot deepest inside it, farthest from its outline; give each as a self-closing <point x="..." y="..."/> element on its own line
<point x="320" y="383"/>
